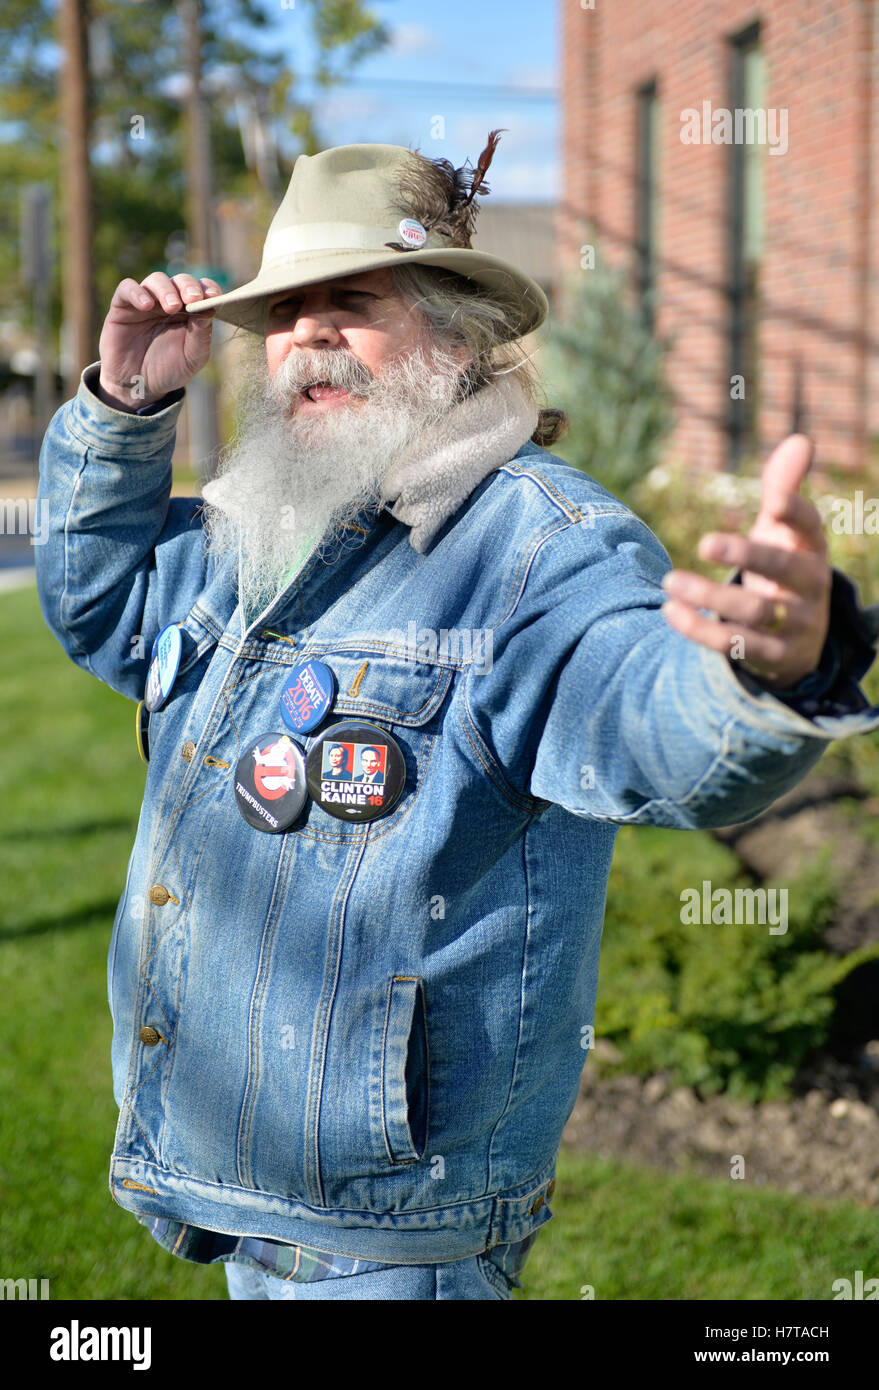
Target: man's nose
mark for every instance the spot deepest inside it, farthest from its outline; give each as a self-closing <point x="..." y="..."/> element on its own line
<point x="315" y="324"/>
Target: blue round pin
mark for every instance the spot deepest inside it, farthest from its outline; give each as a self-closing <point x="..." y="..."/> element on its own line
<point x="307" y="696"/>
<point x="164" y="664"/>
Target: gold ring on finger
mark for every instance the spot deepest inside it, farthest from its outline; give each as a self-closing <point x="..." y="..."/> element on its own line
<point x="779" y="617"/>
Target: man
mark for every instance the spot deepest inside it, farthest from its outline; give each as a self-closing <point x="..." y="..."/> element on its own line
<point x="370" y="760"/>
<point x="347" y="1028"/>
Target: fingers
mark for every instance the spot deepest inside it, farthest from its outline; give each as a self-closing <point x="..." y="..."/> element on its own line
<point x="802" y="571"/>
<point x="129" y="294"/>
<point x="742" y="606"/>
<point x="796" y="522"/>
<point x="161" y="291"/>
<point x="761" y="649"/>
<point x="784" y="473"/>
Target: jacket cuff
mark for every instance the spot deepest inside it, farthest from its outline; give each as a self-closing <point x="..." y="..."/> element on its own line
<point x="832" y="689"/>
<point x="100" y="427"/>
<point x="90" y="379"/>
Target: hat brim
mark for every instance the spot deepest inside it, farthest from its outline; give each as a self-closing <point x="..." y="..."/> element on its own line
<point x="246" y="306"/>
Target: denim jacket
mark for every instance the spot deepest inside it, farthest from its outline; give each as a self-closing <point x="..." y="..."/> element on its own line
<point x="371" y="1034"/>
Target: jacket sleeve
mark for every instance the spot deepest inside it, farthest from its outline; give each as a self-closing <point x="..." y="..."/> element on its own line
<point x="118" y="558"/>
<point x="592" y="701"/>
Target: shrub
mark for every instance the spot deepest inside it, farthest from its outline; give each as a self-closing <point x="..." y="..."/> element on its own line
<point x="607" y="374"/>
<point x="718" y="1006"/>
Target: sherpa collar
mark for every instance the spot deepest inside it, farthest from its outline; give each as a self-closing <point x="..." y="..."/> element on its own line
<point x="436" y="474"/>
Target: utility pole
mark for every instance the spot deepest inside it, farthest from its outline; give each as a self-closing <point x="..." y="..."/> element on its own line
<point x="36" y="273"/>
<point x="76" y="193"/>
<point x="201" y="395"/>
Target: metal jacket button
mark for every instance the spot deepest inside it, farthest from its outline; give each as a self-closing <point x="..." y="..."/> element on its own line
<point x="159" y="894"/>
<point x="187" y="751"/>
<point x="149" y="1036"/>
<point x="537" y="1205"/>
<point x="550" y="1190"/>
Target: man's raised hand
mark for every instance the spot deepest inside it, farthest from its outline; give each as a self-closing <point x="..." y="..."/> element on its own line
<point x="149" y="344"/>
<point x="775" y="623"/>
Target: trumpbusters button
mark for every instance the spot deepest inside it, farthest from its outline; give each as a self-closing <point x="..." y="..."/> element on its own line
<point x="270" y="783"/>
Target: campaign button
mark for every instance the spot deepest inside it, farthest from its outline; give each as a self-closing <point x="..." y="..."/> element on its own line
<point x="141" y="730"/>
<point x="270" y="785"/>
<point x="412" y="232"/>
<point x="307" y="696"/>
<point x="356" y="771"/>
<point x="164" y="664"/>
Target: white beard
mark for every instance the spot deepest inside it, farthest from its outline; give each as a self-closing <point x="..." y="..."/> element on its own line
<point x="289" y="481"/>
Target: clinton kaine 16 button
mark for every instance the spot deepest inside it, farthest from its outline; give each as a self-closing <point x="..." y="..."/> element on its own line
<point x="307" y="696"/>
<point x="356" y="771"/>
<point x="270" y="782"/>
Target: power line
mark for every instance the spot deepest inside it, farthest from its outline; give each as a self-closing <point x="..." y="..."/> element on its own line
<point x="472" y="90"/>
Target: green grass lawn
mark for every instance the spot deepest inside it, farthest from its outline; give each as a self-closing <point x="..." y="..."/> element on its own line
<point x="72" y="785"/>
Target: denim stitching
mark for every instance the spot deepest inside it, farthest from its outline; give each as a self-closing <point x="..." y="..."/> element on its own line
<point x="248" y="1100"/>
<point x="323" y="1017"/>
<point x="517" y="1050"/>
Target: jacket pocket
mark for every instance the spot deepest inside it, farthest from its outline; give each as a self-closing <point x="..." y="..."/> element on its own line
<point x="405" y="1070"/>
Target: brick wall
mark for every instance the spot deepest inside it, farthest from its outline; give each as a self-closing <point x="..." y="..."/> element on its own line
<point x="820" y="267"/>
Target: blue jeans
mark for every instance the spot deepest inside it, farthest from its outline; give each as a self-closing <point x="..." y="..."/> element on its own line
<point x="473" y="1278"/>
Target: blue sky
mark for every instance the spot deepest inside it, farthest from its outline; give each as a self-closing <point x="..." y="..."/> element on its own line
<point x="450" y="57"/>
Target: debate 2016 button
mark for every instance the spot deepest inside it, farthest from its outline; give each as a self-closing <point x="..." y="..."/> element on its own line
<point x="270" y="785"/>
<point x="307" y="696"/>
<point x="356" y="771"/>
<point x="164" y="664"/>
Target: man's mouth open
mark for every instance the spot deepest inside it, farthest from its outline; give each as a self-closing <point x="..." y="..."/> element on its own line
<point x="322" y="396"/>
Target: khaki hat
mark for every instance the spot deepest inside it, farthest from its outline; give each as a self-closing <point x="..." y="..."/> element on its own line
<point x="363" y="207"/>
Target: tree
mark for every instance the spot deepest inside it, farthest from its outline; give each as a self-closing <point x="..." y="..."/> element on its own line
<point x="136" y="82"/>
<point x="607" y="374"/>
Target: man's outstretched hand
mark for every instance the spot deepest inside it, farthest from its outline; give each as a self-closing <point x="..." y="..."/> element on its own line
<point x="775" y="623"/>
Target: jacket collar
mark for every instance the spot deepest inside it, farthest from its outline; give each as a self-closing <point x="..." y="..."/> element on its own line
<point x="435" y="475"/>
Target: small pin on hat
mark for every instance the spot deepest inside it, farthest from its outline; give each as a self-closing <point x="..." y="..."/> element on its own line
<point x="411" y="232"/>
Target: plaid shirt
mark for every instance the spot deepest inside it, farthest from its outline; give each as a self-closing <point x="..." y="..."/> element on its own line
<point x="298" y="1263"/>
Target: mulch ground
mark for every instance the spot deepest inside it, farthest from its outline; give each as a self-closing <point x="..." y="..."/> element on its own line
<point x="824" y="1142"/>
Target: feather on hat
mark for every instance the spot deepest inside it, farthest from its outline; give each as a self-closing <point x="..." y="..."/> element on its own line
<point x="440" y="197"/>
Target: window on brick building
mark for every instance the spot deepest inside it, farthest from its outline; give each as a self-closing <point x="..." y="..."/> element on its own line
<point x="647" y="200"/>
<point x="746" y="238"/>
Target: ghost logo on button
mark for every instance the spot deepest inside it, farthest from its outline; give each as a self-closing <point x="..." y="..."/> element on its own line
<point x="270" y="783"/>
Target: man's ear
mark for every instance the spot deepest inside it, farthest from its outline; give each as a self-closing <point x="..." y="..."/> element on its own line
<point x="470" y="381"/>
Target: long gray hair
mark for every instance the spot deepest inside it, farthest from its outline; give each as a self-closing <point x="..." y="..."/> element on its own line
<point x="461" y="312"/>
